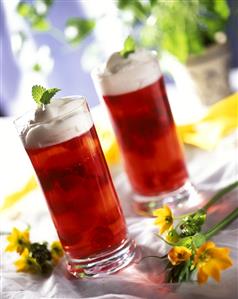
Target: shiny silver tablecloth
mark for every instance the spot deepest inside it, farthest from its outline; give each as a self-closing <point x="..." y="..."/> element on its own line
<point x="209" y="172"/>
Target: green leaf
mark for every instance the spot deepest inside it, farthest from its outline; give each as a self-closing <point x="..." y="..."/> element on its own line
<point x="183" y="272"/>
<point x="48" y="3"/>
<point x="37" y="92"/>
<point x="82" y="27"/>
<point x="48" y="95"/>
<point x="140" y="9"/>
<point x="153" y="2"/>
<point x="198" y="240"/>
<point x="40" y="24"/>
<point x="186" y="242"/>
<point x="129" y="47"/>
<point x="123" y="3"/>
<point x="24" y="9"/>
<point x="43" y="96"/>
<point x="221" y="8"/>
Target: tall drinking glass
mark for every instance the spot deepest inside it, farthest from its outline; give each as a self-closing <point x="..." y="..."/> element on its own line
<point x="65" y="152"/>
<point x="134" y="93"/>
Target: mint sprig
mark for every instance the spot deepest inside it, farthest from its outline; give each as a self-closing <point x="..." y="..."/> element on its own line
<point x="43" y="96"/>
<point x="129" y="47"/>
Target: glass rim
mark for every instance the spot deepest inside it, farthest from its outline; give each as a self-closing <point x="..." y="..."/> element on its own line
<point x="33" y="109"/>
<point x="97" y="71"/>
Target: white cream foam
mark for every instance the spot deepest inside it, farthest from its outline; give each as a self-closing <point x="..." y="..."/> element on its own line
<point x="61" y="120"/>
<point x="122" y="75"/>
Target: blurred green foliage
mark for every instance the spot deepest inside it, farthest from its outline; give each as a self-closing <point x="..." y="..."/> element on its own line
<point x="181" y="27"/>
<point x="82" y="28"/>
<point x="36" y="15"/>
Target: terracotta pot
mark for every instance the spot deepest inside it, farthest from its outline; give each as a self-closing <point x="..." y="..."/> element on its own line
<point x="210" y="73"/>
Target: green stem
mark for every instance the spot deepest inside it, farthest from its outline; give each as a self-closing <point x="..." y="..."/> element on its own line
<point x="217" y="227"/>
<point x="170" y="244"/>
<point x="219" y="194"/>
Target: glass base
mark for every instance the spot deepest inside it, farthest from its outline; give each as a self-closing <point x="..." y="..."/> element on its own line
<point x="185" y="195"/>
<point x="104" y="264"/>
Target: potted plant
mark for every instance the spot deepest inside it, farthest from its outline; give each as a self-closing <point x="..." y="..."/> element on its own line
<point x="193" y="32"/>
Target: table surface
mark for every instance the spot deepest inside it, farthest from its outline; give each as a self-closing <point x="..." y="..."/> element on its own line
<point x="209" y="171"/>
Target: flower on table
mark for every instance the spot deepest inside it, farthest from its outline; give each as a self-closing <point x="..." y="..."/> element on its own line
<point x="56" y="251"/>
<point x="35" y="258"/>
<point x="164" y="218"/>
<point x="26" y="263"/>
<point x="210" y="260"/>
<point x="18" y="240"/>
<point x="179" y="254"/>
<point x="191" y="251"/>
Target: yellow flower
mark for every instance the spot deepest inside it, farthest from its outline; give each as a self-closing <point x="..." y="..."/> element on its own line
<point x="164" y="218"/>
<point x="26" y="263"/>
<point x="209" y="260"/>
<point x="56" y="251"/>
<point x="18" y="240"/>
<point x="179" y="254"/>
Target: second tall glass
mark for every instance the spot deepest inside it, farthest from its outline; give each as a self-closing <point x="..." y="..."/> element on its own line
<point x="134" y="92"/>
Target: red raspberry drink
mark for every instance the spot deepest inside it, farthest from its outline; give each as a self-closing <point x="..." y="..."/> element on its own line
<point x="78" y="188"/>
<point x="135" y="95"/>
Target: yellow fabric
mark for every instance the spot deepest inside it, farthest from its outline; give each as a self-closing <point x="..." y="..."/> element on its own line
<point x="220" y="120"/>
<point x="109" y="146"/>
<point x="13" y="198"/>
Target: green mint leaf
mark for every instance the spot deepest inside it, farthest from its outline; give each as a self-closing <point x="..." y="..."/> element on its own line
<point x="129" y="47"/>
<point x="48" y="95"/>
<point x="43" y="96"/>
<point x="37" y="92"/>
